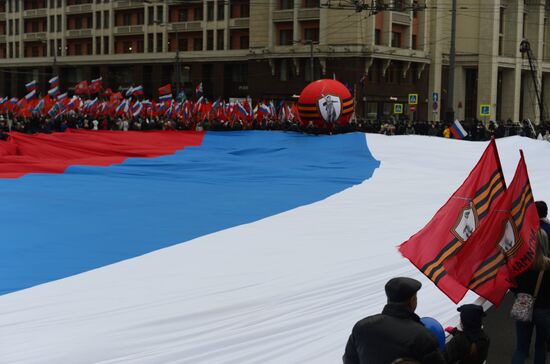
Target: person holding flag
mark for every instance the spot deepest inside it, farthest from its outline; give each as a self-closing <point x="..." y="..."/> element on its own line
<point x="527" y="282"/>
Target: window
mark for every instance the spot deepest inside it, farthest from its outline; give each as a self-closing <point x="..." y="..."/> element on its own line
<point x="98" y="20"/>
<point x="52" y="24"/>
<point x="243" y="42"/>
<point x="377" y="36"/>
<point x="35" y="51"/>
<point x="106" y="19"/>
<point x="284" y="70"/>
<point x="501" y="21"/>
<point x="311" y="4"/>
<point x="396" y="39"/>
<point x="210" y="40"/>
<point x="160" y="15"/>
<point x="140" y="46"/>
<point x="150" y="43"/>
<point x="150" y="15"/>
<point x="311" y="75"/>
<point x="98" y="45"/>
<point x="197" y="44"/>
<point x="126" y="19"/>
<point x="524" y="25"/>
<point x="159" y="42"/>
<point x="34" y="27"/>
<point x="16" y="26"/>
<point x="182" y="15"/>
<point x="52" y="47"/>
<point x="106" y="49"/>
<point x="127" y="47"/>
<point x="220" y="40"/>
<point x="414" y="42"/>
<point x="239" y="73"/>
<point x="221" y="11"/>
<point x="286" y="4"/>
<point x="398" y="4"/>
<point x="140" y="18"/>
<point x="245" y="10"/>
<point x="210" y="11"/>
<point x="311" y="34"/>
<point x="59" y="24"/>
<point x="182" y="46"/>
<point x="198" y="13"/>
<point x="78" y="22"/>
<point x="285" y="37"/>
<point x="77" y="48"/>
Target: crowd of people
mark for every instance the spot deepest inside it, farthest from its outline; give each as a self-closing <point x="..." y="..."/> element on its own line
<point x="476" y="129"/>
<point x="397" y="335"/>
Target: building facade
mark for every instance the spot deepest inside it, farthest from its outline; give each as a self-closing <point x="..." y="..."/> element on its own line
<point x="272" y="48"/>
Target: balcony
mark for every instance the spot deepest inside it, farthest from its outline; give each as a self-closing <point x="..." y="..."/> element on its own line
<point x="308" y="14"/>
<point x="128" y="4"/>
<point x="239" y="23"/>
<point x="2" y="16"/>
<point x="283" y="15"/>
<point x="401" y="18"/>
<point x="2" y="39"/>
<point x="77" y="9"/>
<point x="34" y="36"/>
<point x="35" y="13"/>
<point x="79" y="33"/>
<point x="128" y="30"/>
<point x="188" y="26"/>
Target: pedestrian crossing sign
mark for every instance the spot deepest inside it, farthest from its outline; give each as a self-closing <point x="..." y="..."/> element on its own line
<point x="398" y="108"/>
<point x="485" y="110"/>
<point x="413" y="99"/>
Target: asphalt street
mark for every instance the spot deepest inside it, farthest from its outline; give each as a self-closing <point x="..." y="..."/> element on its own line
<point x="501" y="330"/>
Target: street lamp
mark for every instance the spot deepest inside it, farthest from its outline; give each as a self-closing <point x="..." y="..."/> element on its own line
<point x="177" y="65"/>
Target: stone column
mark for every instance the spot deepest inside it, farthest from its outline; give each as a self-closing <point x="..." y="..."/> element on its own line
<point x="487" y="80"/>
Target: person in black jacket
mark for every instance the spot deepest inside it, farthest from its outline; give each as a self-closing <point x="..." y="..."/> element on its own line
<point x="395" y="333"/>
<point x="526" y="283"/>
<point x="471" y="344"/>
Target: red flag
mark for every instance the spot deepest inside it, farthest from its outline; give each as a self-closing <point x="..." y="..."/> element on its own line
<point x="81" y="88"/>
<point x="503" y="246"/>
<point x="453" y="224"/>
<point x="165" y="90"/>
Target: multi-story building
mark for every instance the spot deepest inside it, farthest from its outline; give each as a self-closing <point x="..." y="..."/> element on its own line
<point x="272" y="48"/>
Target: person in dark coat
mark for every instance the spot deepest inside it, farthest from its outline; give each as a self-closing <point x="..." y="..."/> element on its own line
<point x="395" y="333"/>
<point x="526" y="283"/>
<point x="542" y="210"/>
<point x="471" y="344"/>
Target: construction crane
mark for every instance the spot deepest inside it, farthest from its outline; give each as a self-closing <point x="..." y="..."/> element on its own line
<point x="525" y="50"/>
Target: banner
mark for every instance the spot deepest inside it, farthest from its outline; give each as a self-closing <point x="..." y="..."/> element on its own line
<point x="455" y="222"/>
<point x="503" y="246"/>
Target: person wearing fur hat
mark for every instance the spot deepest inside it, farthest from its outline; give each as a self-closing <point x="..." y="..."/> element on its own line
<point x="470" y="344"/>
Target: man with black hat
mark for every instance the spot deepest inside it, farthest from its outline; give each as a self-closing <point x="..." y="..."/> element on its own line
<point x="395" y="333"/>
<point x="469" y="345"/>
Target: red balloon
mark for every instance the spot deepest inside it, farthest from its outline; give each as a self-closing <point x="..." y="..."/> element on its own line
<point x="325" y="102"/>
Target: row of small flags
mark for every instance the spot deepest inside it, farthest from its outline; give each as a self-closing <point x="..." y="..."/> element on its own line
<point x="95" y="87"/>
<point x="118" y="105"/>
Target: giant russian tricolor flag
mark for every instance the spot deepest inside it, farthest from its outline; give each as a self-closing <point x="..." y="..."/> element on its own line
<point x="237" y="247"/>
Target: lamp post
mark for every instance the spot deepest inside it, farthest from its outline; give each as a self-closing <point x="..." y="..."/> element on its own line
<point x="177" y="65"/>
<point x="177" y="69"/>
